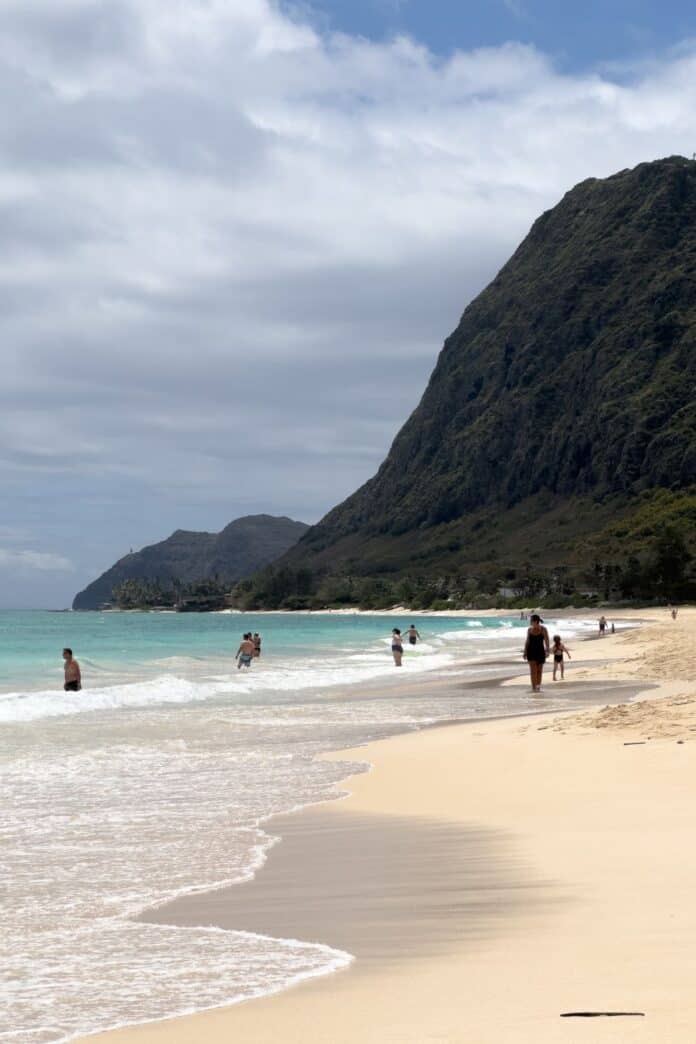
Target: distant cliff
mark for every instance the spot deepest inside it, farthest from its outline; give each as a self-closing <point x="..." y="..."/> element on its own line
<point x="563" y="402"/>
<point x="243" y="547"/>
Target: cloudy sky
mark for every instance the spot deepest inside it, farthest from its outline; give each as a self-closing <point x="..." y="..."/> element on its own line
<point x="234" y="234"/>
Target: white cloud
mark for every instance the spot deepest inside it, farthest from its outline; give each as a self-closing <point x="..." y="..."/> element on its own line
<point x="218" y="226"/>
<point x="34" y="560"/>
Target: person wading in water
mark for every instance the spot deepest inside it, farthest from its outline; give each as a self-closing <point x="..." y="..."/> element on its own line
<point x="245" y="651"/>
<point x="73" y="674"/>
<point x="397" y="647"/>
<point x="536" y="649"/>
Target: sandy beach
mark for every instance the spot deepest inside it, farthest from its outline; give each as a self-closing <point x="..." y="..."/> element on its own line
<point x="492" y="877"/>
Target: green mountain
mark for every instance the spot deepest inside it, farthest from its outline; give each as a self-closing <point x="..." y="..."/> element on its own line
<point x="562" y="406"/>
<point x="243" y="547"/>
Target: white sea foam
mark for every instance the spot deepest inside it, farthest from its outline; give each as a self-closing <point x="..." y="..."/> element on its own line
<point x="220" y="968"/>
<point x="96" y="832"/>
<point x="30" y="706"/>
<point x="263" y="677"/>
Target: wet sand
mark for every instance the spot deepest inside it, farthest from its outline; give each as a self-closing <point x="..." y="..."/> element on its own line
<point x="385" y="888"/>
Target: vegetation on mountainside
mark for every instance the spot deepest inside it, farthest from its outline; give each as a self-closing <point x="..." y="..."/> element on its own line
<point x="559" y="426"/>
<point x="662" y="570"/>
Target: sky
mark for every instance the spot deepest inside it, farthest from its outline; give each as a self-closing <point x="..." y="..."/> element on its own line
<point x="235" y="233"/>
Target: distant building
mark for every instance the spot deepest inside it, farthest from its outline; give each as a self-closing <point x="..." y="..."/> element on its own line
<point x="507" y="592"/>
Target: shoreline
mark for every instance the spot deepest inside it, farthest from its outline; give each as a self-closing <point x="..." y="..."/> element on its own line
<point x="180" y="1028"/>
<point x="614" y="611"/>
<point x="397" y="610"/>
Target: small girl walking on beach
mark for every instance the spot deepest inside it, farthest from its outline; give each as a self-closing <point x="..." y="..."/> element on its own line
<point x="559" y="649"/>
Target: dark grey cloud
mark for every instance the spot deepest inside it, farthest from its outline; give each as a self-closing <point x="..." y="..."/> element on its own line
<point x="230" y="250"/>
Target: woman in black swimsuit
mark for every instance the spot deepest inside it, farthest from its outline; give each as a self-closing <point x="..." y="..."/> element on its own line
<point x="536" y="649"/>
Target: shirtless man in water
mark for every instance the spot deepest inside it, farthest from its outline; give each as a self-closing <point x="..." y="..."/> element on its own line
<point x="73" y="675"/>
<point x="245" y="651"/>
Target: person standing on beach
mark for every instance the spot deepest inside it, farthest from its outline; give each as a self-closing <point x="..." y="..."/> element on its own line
<point x="397" y="647"/>
<point x="73" y="674"/>
<point x="602" y="626"/>
<point x="559" y="649"/>
<point x="536" y="649"/>
<point x="257" y="644"/>
<point x="245" y="651"/>
<point x="413" y="635"/>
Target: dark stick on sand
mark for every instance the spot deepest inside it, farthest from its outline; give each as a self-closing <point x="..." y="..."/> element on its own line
<point x="600" y="1014"/>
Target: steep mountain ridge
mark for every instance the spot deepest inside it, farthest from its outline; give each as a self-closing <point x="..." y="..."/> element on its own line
<point x="568" y="387"/>
<point x="242" y="547"/>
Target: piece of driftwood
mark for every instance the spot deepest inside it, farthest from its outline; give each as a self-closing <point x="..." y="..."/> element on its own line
<point x="600" y="1014"/>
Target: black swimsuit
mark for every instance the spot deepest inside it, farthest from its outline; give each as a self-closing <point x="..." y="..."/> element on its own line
<point x="536" y="647"/>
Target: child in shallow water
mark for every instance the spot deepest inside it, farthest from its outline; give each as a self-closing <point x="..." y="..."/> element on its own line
<point x="559" y="650"/>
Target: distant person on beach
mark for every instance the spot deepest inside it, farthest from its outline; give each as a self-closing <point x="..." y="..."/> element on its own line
<point x="602" y="626"/>
<point x="257" y="644"/>
<point x="674" y="613"/>
<point x="536" y="649"/>
<point x="73" y="674"/>
<point x="245" y="651"/>
<point x="413" y="635"/>
<point x="559" y="650"/>
<point x="397" y="647"/>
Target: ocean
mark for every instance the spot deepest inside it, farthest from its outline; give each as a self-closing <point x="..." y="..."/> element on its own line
<point x="159" y="779"/>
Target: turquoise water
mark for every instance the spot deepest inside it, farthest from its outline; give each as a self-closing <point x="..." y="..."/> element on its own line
<point x="159" y="778"/>
<point x="115" y="648"/>
<point x="115" y="644"/>
<point x="31" y="643"/>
